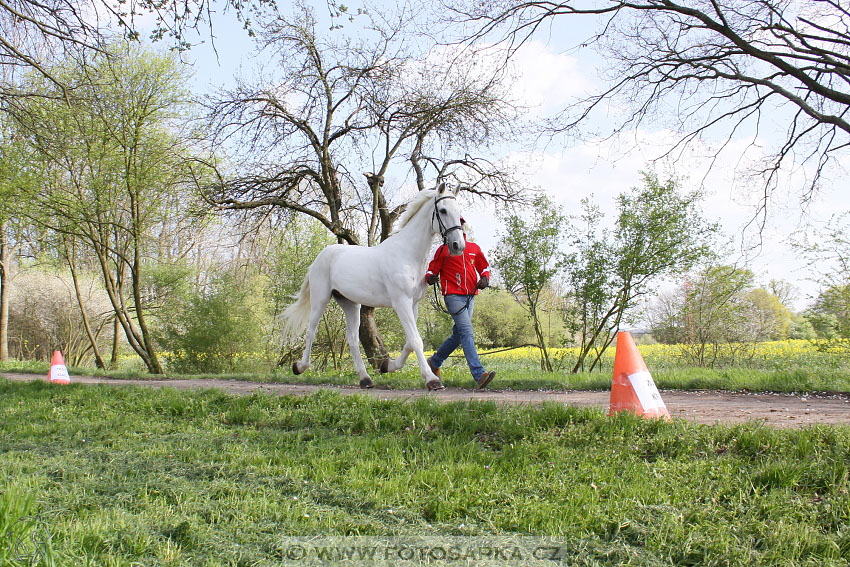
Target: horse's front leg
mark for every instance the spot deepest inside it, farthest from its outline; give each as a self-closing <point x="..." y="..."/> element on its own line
<point x="407" y="315"/>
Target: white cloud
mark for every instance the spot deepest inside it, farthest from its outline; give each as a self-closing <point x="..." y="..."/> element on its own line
<point x="606" y="169"/>
<point x="548" y="81"/>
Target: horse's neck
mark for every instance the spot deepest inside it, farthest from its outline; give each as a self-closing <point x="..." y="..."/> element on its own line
<point x="417" y="236"/>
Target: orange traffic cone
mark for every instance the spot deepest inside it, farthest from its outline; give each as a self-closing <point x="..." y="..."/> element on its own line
<point x="632" y="388"/>
<point x="58" y="373"/>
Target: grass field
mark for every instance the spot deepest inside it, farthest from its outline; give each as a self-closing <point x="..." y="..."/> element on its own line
<point x="139" y="477"/>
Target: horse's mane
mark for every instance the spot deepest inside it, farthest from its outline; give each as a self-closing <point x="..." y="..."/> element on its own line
<point x="413" y="207"/>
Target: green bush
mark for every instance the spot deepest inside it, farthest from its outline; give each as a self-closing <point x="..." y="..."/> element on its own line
<point x="502" y="322"/>
<point x="212" y="331"/>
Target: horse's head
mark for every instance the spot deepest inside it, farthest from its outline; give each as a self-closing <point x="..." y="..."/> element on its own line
<point x="446" y="220"/>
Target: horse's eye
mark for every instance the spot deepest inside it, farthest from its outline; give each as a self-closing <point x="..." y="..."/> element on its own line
<point x="442" y="211"/>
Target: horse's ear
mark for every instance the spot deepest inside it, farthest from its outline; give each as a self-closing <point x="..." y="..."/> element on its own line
<point x="457" y="190"/>
<point x="441" y="188"/>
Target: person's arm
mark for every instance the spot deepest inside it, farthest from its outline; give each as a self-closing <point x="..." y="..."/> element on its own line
<point x="432" y="274"/>
<point x="483" y="268"/>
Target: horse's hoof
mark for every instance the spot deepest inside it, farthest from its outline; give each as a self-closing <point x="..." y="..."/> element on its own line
<point x="295" y="368"/>
<point x="366" y="383"/>
<point x="385" y="366"/>
<point x="434" y="385"/>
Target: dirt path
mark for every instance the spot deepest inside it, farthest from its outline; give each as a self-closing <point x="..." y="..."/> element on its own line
<point x="706" y="407"/>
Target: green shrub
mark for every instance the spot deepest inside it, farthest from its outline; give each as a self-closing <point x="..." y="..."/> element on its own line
<point x="216" y="330"/>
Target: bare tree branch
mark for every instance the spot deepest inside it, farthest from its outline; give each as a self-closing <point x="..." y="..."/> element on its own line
<point x="34" y="33"/>
<point x="338" y="104"/>
<point x="721" y="65"/>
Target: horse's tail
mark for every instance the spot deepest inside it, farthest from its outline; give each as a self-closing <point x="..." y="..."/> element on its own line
<point x="295" y="316"/>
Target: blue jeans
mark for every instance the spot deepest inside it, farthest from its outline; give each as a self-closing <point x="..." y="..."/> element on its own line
<point x="462" y="334"/>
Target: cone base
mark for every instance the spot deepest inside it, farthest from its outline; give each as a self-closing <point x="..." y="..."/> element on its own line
<point x="649" y="414"/>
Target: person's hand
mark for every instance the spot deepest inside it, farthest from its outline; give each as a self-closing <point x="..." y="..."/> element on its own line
<point x="483" y="283"/>
<point x="431" y="279"/>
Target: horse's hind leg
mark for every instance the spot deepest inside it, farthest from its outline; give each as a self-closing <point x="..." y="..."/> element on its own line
<point x="407" y="315"/>
<point x="393" y="365"/>
<point x="352" y="331"/>
<point x="318" y="304"/>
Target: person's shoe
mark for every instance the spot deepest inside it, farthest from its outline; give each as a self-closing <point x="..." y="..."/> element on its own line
<point x="485" y="379"/>
<point x="433" y="368"/>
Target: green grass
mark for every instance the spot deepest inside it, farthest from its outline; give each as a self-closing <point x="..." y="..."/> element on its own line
<point x="134" y="476"/>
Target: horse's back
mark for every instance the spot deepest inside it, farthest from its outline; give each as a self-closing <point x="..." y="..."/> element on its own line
<point x="374" y="276"/>
<point x="355" y="272"/>
<point x="344" y="257"/>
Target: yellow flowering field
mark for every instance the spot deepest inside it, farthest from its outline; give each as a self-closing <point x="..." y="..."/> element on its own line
<point x="767" y="355"/>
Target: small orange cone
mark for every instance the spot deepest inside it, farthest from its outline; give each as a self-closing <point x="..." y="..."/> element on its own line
<point x="58" y="373"/>
<point x="632" y="388"/>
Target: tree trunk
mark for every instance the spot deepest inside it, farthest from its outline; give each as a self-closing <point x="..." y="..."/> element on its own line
<point x="4" y="294"/>
<point x="116" y="330"/>
<point x="115" y="293"/>
<point x="153" y="363"/>
<point x="370" y="338"/>
<point x="621" y="303"/>
<point x="541" y="341"/>
<point x="98" y="360"/>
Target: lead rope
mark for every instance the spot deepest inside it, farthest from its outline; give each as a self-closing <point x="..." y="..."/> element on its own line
<point x="440" y="305"/>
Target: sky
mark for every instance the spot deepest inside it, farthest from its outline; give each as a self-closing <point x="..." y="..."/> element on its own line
<point x="550" y="75"/>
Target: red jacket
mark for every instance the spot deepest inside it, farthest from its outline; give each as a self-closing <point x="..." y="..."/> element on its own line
<point x="459" y="274"/>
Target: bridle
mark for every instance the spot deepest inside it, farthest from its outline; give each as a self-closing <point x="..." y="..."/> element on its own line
<point x="444" y="230"/>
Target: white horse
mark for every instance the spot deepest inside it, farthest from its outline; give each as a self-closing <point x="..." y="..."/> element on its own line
<point x="391" y="274"/>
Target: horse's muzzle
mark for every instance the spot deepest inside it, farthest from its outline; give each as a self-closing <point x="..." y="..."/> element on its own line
<point x="456" y="248"/>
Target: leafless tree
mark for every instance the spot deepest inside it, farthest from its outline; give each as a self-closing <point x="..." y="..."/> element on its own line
<point x="344" y="107"/>
<point x="33" y="33"/>
<point x="46" y="316"/>
<point x="712" y="67"/>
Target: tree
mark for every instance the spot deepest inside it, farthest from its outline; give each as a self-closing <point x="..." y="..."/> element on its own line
<point x="785" y="292"/>
<point x="18" y="177"/>
<point x="292" y="249"/>
<point x="768" y="319"/>
<point x="659" y="232"/>
<point x="33" y="35"/>
<point x="719" y="66"/>
<point x="527" y="258"/>
<point x="802" y="328"/>
<point x="342" y="106"/>
<point x="589" y="276"/>
<point x="827" y="252"/>
<point x="500" y="321"/>
<point x="706" y="314"/>
<point x="830" y="313"/>
<point x="45" y="314"/>
<point x="113" y="157"/>
<point x="4" y="292"/>
<point x="210" y="330"/>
